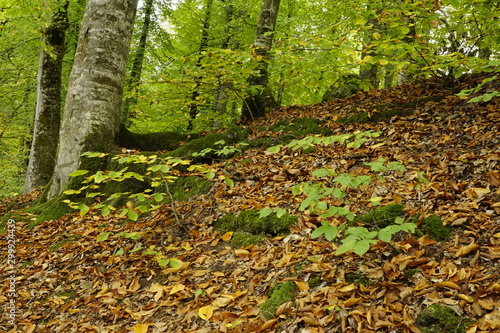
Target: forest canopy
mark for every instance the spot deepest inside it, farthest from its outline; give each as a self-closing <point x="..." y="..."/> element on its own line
<point x="190" y="60"/>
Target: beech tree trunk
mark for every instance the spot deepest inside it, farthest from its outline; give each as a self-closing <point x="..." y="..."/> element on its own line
<point x="136" y="71"/>
<point x="369" y="72"/>
<point x="260" y="96"/>
<point x="48" y="105"/>
<point x="91" y="118"/>
<point x="193" y="107"/>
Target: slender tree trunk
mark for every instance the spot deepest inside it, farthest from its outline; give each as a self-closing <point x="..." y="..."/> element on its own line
<point x="193" y="107"/>
<point x="91" y="118"/>
<point x="369" y="71"/>
<point x="260" y="97"/>
<point x="219" y="104"/>
<point x="48" y="105"/>
<point x="136" y="71"/>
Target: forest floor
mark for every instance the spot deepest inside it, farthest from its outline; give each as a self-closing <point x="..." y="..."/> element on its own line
<point x="67" y="281"/>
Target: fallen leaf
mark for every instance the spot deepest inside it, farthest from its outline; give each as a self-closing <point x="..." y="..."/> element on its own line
<point x="206" y="312"/>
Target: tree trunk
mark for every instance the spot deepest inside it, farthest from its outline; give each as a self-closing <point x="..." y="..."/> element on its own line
<point x="368" y="72"/>
<point x="136" y="71"/>
<point x="193" y="107"/>
<point x="48" y="105"/>
<point x="91" y="118"/>
<point x="260" y="96"/>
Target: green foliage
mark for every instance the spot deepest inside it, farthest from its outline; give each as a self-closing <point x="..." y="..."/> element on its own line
<point x="279" y="294"/>
<point x="439" y="318"/>
<point x="158" y="175"/>
<point x="434" y="227"/>
<point x="243" y="239"/>
<point x="358" y="239"/>
<point x="382" y="216"/>
<point x="250" y="221"/>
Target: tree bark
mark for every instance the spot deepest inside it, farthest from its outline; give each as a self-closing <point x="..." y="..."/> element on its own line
<point x="193" y="107"/>
<point x="91" y="118"/>
<point x="260" y="97"/>
<point x="136" y="71"/>
<point x="48" y="105"/>
<point x="368" y="72"/>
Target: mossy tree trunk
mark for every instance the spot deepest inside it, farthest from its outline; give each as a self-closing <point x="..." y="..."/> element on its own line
<point x="91" y="118"/>
<point x="48" y="104"/>
<point x="193" y="107"/>
<point x="368" y="72"/>
<point x="260" y="96"/>
<point x="134" y="80"/>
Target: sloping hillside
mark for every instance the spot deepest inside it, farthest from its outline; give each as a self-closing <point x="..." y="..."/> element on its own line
<point x="68" y="281"/>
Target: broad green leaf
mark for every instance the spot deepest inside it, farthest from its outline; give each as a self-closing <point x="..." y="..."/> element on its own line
<point x="280" y="212"/>
<point x="361" y="247"/>
<point x="84" y="209"/>
<point x="78" y="173"/>
<point x="105" y="211"/>
<point x="384" y="235"/>
<point x="210" y="174"/>
<point x="175" y="263"/>
<point x="158" y="197"/>
<point x="132" y="215"/>
<point x="274" y="149"/>
<point x="103" y="236"/>
<point x="120" y="252"/>
<point x="229" y="182"/>
<point x="266" y="211"/>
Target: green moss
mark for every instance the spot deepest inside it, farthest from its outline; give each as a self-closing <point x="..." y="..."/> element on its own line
<point x="279" y="294"/>
<point x="382" y="216"/>
<point x="292" y="130"/>
<point x="64" y="241"/>
<point x="153" y="141"/>
<point x="408" y="273"/>
<point x="434" y="227"/>
<point x="243" y="239"/>
<point x="438" y="318"/>
<point x="231" y="137"/>
<point x="185" y="188"/>
<point x="250" y="222"/>
<point x="51" y="210"/>
<point x="357" y="278"/>
<point x="314" y="282"/>
<point x="385" y="112"/>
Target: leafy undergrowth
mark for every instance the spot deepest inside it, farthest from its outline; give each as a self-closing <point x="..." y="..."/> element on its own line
<point x="67" y="281"/>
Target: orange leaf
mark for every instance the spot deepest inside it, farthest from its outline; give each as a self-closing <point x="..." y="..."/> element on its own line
<point x="227" y="236"/>
<point x="177" y="288"/>
<point x="448" y="284"/>
<point x="303" y="286"/>
<point x="465" y="250"/>
<point x="351" y="301"/>
<point x="134" y="285"/>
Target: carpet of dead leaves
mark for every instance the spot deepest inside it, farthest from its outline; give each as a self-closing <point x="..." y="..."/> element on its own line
<point x="67" y="281"/>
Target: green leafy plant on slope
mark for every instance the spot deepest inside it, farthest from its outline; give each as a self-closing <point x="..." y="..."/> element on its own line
<point x="158" y="174"/>
<point x="357" y="239"/>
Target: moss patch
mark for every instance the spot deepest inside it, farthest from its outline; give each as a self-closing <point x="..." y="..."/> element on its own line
<point x="438" y="318"/>
<point x="357" y="278"/>
<point x="249" y="221"/>
<point x="291" y="130"/>
<point x="434" y="227"/>
<point x="279" y="294"/>
<point x="231" y="137"/>
<point x="243" y="239"/>
<point x="153" y="141"/>
<point x="380" y="113"/>
<point x="185" y="188"/>
<point x="382" y="216"/>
